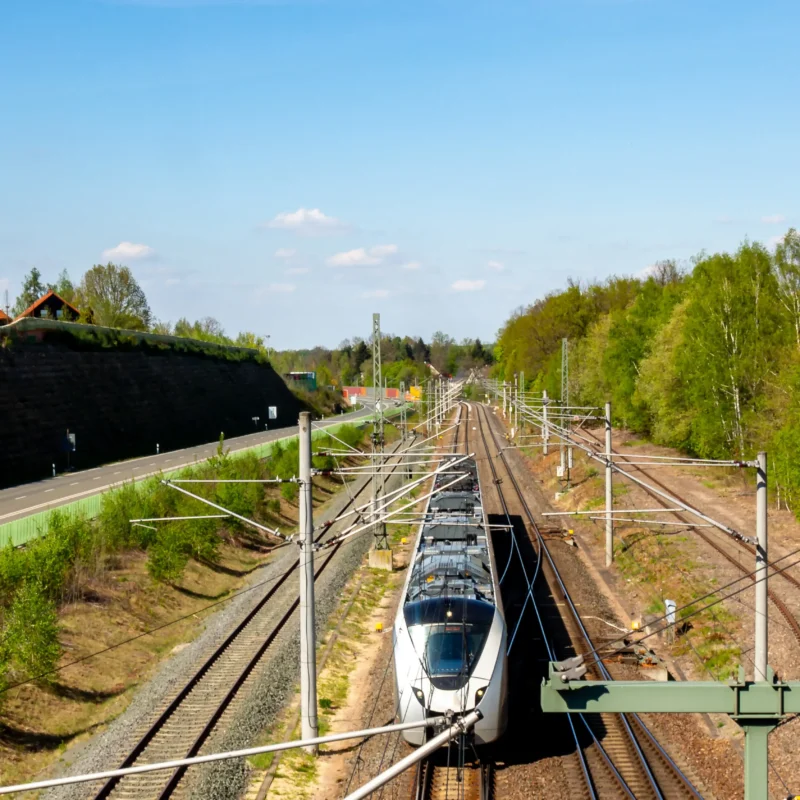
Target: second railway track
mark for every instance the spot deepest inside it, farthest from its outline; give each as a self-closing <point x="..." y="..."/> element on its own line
<point x="615" y="754"/>
<point x="779" y="603"/>
<point x="189" y="720"/>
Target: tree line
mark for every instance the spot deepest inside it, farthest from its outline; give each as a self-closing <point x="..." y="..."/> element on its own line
<point x="704" y="358"/>
<point x="403" y="359"/>
<point x="109" y="295"/>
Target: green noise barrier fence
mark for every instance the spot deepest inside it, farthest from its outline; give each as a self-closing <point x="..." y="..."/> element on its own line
<point x="19" y="531"/>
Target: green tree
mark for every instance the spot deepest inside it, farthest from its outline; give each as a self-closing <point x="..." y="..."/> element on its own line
<point x="32" y="289"/>
<point x="30" y="637"/>
<point x="64" y="287"/>
<point x="787" y="271"/>
<point x="109" y="295"/>
<point x="733" y="329"/>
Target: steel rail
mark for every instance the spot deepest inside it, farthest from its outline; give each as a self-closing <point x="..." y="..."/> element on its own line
<point x="790" y="618"/>
<point x="652" y="742"/>
<point x="581" y="756"/>
<point x="139" y="748"/>
<point x="432" y="781"/>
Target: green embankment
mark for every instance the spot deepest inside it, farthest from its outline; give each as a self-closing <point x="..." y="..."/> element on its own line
<point x="23" y="530"/>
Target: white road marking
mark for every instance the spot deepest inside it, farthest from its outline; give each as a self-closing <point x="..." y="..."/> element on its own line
<point x="97" y="478"/>
<point x="64" y="500"/>
<point x="48" y="490"/>
<point x="21" y="497"/>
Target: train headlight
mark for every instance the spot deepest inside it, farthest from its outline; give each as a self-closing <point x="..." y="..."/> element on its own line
<point x="479" y="695"/>
<point x="420" y="695"/>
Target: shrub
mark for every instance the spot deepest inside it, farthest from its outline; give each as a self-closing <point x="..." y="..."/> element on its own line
<point x="30" y="635"/>
<point x="169" y="554"/>
<point x="289" y="492"/>
<point x="273" y="505"/>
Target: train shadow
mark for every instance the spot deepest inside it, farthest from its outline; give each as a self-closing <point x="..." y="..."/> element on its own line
<point x="531" y="735"/>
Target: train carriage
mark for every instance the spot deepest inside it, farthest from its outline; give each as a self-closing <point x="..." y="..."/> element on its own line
<point x="450" y="633"/>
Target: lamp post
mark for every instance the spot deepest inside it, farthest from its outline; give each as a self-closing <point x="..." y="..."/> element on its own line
<point x="255" y="421"/>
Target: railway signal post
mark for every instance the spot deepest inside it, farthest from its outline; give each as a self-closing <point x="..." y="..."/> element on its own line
<point x="757" y="706"/>
<point x="609" y="492"/>
<point x="308" y="654"/>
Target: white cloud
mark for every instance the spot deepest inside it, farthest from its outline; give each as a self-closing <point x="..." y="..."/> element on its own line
<point x="644" y="274"/>
<point x="297" y="270"/>
<point x="279" y="288"/>
<point x="372" y="293"/>
<point x="412" y="265"/>
<point x="284" y="252"/>
<point x="774" y="241"/>
<point x="306" y="222"/>
<point x="467" y="286"/>
<point x="128" y="251"/>
<point x="383" y="250"/>
<point x="363" y="257"/>
<point x="774" y="219"/>
<point x="497" y="266"/>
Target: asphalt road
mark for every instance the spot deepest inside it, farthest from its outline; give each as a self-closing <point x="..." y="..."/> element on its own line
<point x="31" y="498"/>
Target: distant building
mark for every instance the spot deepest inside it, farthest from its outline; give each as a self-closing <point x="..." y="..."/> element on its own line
<point x="51" y="306"/>
<point x="302" y="380"/>
<point x="4" y="318"/>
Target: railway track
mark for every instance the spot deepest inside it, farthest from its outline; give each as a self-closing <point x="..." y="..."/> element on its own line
<point x="440" y="781"/>
<point x="790" y="618"/>
<point x="436" y="777"/>
<point x="186" y="724"/>
<point x="622" y="757"/>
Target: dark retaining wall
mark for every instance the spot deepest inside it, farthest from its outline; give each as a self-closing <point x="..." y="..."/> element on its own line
<point x="121" y="394"/>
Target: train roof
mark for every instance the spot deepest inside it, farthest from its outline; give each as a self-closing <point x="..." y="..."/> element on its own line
<point x="453" y="556"/>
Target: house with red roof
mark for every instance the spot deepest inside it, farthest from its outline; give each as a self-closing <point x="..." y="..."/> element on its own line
<point x="51" y="306"/>
<point x="4" y="318"/>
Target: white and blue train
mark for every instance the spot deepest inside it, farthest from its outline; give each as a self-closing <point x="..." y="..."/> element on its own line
<point x="450" y="633"/>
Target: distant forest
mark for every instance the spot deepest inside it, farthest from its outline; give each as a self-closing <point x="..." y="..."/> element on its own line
<point x="703" y="357"/>
<point x="402" y="359"/>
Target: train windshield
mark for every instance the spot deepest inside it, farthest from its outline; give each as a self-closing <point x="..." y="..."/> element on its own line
<point x="449" y="635"/>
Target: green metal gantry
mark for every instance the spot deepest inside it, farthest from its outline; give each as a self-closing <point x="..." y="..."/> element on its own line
<point x="757" y="707"/>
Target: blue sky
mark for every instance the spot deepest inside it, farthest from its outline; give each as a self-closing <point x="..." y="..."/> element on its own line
<point x="291" y="167"/>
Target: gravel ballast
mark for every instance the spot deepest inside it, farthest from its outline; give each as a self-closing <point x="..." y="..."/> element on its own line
<point x="262" y="697"/>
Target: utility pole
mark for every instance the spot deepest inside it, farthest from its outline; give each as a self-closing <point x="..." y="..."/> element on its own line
<point x="516" y="404"/>
<point x="381" y="543"/>
<point x="758" y="706"/>
<point x="565" y="468"/>
<point x="402" y="411"/>
<point x="308" y="655"/>
<point x="761" y="628"/>
<point x="545" y="429"/>
<point x="522" y="390"/>
<point x="609" y="493"/>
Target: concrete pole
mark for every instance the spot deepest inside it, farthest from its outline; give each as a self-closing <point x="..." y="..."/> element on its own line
<point x="609" y="493"/>
<point x="762" y="632"/>
<point x="504" y="400"/>
<point x="545" y="430"/>
<point x="308" y="655"/>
